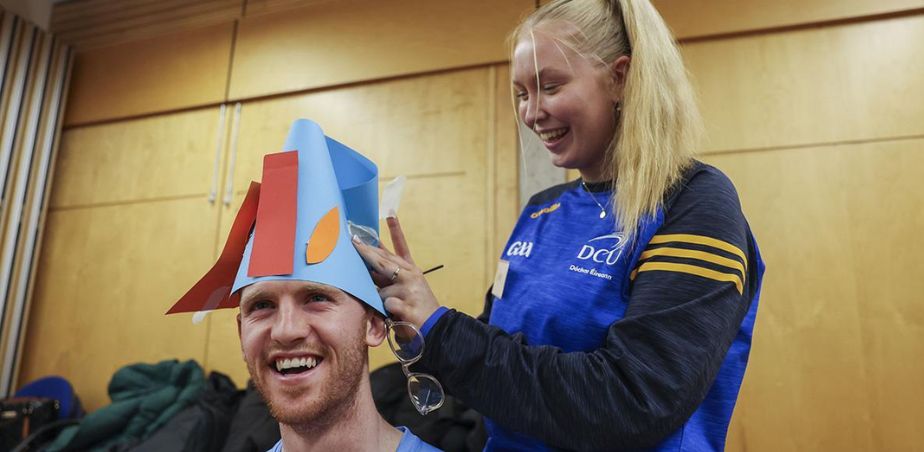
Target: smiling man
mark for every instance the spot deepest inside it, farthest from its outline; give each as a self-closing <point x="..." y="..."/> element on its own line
<point x="309" y="310"/>
<point x="305" y="345"/>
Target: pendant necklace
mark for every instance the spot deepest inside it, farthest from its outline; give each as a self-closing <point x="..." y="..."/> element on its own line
<point x="602" y="210"/>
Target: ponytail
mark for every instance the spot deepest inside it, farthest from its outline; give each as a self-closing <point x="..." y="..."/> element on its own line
<point x="660" y="125"/>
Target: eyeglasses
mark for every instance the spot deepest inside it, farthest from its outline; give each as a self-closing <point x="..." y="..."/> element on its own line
<point x="407" y="344"/>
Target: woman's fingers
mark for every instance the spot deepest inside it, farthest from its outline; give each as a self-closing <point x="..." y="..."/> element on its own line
<point x="374" y="257"/>
<point x="411" y="298"/>
<point x="393" y="291"/>
<point x="398" y="240"/>
<point x="402" y="285"/>
<point x="383" y="263"/>
<point x="395" y="306"/>
<point x="380" y="280"/>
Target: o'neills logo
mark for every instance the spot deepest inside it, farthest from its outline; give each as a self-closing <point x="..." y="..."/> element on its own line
<point x="606" y="249"/>
<point x="545" y="210"/>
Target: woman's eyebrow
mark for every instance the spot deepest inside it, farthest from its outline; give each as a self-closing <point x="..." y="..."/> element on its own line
<point x="550" y="72"/>
<point x="543" y="73"/>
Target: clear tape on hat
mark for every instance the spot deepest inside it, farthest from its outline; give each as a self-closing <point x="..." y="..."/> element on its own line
<point x="365" y="234"/>
<point x="391" y="197"/>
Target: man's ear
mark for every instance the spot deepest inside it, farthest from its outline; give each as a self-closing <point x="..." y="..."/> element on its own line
<point x="239" y="332"/>
<point x="375" y="329"/>
<point x="619" y="71"/>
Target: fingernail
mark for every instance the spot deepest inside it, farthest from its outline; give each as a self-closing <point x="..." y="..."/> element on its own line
<point x="356" y="239"/>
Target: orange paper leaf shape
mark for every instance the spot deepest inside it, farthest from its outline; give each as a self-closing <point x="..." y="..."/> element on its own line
<point x="324" y="238"/>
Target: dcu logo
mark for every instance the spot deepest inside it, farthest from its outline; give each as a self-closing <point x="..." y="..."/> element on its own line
<point x="520" y="249"/>
<point x="606" y="249"/>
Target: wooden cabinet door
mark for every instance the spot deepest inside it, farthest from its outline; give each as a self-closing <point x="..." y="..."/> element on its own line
<point x="183" y="69"/>
<point x="128" y="231"/>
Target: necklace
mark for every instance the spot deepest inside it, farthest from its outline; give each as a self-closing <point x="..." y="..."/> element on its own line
<point x="602" y="210"/>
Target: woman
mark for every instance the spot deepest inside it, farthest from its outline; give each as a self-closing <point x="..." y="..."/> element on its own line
<point x="622" y="312"/>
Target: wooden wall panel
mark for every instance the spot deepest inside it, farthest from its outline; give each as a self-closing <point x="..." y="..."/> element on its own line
<point x="698" y="18"/>
<point x="437" y="130"/>
<point x="840" y="315"/>
<point x="694" y="18"/>
<point x="87" y="24"/>
<point x="415" y="126"/>
<point x="107" y="276"/>
<point x="180" y="70"/>
<point x="259" y="7"/>
<point x="120" y="247"/>
<point x="842" y="83"/>
<point x="504" y="191"/>
<point x="353" y="40"/>
<point x="151" y="158"/>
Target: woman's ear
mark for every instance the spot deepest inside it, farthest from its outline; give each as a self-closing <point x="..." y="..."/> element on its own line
<point x="375" y="329"/>
<point x="619" y="71"/>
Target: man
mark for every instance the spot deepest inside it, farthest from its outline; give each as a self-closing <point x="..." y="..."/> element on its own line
<point x="305" y="345"/>
<point x="308" y="307"/>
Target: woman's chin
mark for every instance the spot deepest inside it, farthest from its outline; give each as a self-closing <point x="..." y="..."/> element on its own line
<point x="560" y="161"/>
<point x="563" y="162"/>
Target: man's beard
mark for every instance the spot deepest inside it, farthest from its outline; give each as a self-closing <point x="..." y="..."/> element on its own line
<point x="328" y="404"/>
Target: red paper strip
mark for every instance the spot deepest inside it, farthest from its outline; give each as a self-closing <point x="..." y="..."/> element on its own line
<point x="211" y="292"/>
<point x="274" y="237"/>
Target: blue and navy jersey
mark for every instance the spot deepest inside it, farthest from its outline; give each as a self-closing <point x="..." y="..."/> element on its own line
<point x="596" y="342"/>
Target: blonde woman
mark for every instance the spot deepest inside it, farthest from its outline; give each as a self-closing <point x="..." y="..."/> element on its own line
<point x="622" y="313"/>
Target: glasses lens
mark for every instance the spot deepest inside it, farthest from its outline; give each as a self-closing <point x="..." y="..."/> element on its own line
<point x="405" y="341"/>
<point x="426" y="393"/>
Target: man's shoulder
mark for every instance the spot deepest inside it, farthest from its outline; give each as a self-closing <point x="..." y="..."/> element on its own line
<point x="276" y="447"/>
<point x="411" y="443"/>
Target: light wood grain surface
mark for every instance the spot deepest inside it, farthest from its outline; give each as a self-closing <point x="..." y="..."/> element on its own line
<point x="833" y="363"/>
<point x="180" y="70"/>
<point x="354" y="40"/>
<point x="827" y="85"/>
<point x="107" y="276"/>
<point x="158" y="157"/>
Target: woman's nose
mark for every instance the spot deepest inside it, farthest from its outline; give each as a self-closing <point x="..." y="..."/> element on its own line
<point x="532" y="111"/>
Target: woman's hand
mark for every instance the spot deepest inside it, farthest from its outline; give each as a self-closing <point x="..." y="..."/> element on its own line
<point x="402" y="285"/>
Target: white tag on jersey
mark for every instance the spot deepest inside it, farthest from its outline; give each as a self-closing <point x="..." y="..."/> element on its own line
<point x="500" y="278"/>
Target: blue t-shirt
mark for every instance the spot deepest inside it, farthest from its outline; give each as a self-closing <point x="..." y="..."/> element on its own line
<point x="409" y="443"/>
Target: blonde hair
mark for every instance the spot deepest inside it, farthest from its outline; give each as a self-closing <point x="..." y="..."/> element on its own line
<point x="660" y="125"/>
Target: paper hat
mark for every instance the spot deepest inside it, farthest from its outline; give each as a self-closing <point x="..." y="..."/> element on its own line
<point x="299" y="219"/>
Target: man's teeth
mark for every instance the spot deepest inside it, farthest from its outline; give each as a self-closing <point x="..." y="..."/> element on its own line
<point x="282" y="364"/>
<point x="552" y="134"/>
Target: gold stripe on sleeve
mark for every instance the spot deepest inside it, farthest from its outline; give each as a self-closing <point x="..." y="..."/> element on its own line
<point x="692" y="270"/>
<point x="700" y="240"/>
<point x="694" y="254"/>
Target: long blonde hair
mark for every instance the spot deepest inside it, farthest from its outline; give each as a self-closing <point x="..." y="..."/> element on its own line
<point x="660" y="125"/>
